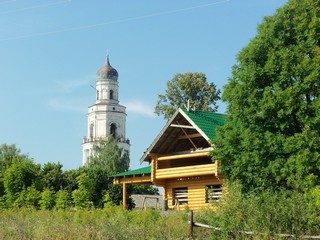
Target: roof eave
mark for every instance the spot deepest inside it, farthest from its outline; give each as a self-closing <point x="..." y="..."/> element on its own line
<point x="145" y="156"/>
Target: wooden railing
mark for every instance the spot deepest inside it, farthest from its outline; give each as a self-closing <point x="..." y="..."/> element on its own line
<point x="188" y="171"/>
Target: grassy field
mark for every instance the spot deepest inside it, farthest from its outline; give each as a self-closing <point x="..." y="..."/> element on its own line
<point x="115" y="223"/>
<point x="267" y="215"/>
<point x="109" y="223"/>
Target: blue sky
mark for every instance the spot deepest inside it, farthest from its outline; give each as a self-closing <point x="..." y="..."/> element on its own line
<point x="50" y="51"/>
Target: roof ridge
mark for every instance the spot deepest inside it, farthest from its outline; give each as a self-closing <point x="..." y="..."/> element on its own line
<point x="201" y="111"/>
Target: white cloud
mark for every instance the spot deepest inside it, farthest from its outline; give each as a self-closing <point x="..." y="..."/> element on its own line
<point x="139" y="107"/>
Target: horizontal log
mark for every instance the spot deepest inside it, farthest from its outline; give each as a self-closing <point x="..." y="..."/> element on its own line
<point x="192" y="187"/>
<point x="197" y="193"/>
<point x="197" y="189"/>
<point x="143" y="179"/>
<point x="182" y="126"/>
<point x="187" y="155"/>
<point x="189" y="171"/>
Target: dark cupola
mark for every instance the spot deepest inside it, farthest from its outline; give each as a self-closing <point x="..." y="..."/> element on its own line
<point x="107" y="71"/>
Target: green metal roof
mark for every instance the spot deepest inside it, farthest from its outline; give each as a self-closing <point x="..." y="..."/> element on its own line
<point x="206" y="121"/>
<point x="139" y="171"/>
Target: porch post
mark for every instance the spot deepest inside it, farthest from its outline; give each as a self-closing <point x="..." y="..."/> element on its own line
<point x="165" y="198"/>
<point x="124" y="195"/>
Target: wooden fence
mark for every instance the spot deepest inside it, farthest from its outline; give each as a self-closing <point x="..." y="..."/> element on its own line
<point x="193" y="224"/>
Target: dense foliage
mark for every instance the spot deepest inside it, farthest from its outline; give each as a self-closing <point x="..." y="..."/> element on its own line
<point x="184" y="89"/>
<point x="109" y="157"/>
<point x="272" y="138"/>
<point x="24" y="183"/>
<point x="8" y="153"/>
<point x="108" y="160"/>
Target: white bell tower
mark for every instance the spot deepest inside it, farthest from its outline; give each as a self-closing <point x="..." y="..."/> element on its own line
<point x="106" y="118"/>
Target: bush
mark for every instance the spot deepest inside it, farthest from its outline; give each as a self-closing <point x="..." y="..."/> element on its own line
<point x="63" y="199"/>
<point x="47" y="200"/>
<point x="266" y="214"/>
<point x="81" y="198"/>
<point x="28" y="197"/>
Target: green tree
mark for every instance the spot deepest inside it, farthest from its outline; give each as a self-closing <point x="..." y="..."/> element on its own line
<point x="70" y="179"/>
<point x="83" y="195"/>
<point x="8" y="153"/>
<point x="272" y="137"/>
<point x="101" y="182"/>
<point x="47" y="200"/>
<point x="108" y="160"/>
<point x="109" y="157"/>
<point x="21" y="175"/>
<point x="192" y="88"/>
<point x="114" y="193"/>
<point x="29" y="197"/>
<point x="52" y="176"/>
<point x="63" y="199"/>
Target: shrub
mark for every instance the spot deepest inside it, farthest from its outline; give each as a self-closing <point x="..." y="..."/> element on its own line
<point x="81" y="198"/>
<point x="28" y="197"/>
<point x="63" y="199"/>
<point x="266" y="214"/>
<point x="47" y="200"/>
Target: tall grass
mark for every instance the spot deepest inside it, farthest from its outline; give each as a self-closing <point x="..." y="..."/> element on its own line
<point x="267" y="215"/>
<point x="109" y="223"/>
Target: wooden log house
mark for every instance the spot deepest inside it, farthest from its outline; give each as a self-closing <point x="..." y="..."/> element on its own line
<point x="179" y="161"/>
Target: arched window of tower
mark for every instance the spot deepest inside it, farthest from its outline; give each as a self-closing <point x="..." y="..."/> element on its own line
<point x="113" y="130"/>
<point x="97" y="94"/>
<point x="111" y="94"/>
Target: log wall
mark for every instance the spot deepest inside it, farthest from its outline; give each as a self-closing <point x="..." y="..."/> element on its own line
<point x="196" y="191"/>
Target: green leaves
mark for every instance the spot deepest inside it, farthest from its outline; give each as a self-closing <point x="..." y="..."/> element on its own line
<point x="47" y="200"/>
<point x="52" y="176"/>
<point x="273" y="134"/>
<point x="25" y="184"/>
<point x="266" y="214"/>
<point x="108" y="160"/>
<point x="184" y="89"/>
<point x="82" y="197"/>
<point x="109" y="157"/>
<point x="21" y="175"/>
<point x="63" y="199"/>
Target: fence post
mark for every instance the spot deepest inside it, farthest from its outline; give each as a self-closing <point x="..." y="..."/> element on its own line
<point x="191" y="225"/>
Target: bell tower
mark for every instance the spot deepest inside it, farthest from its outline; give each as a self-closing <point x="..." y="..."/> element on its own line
<point x="106" y="118"/>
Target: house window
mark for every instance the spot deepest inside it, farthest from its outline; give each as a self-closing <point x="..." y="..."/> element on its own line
<point x="213" y="193"/>
<point x="180" y="196"/>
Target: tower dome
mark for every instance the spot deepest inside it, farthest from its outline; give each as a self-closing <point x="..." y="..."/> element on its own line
<point x="107" y="71"/>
